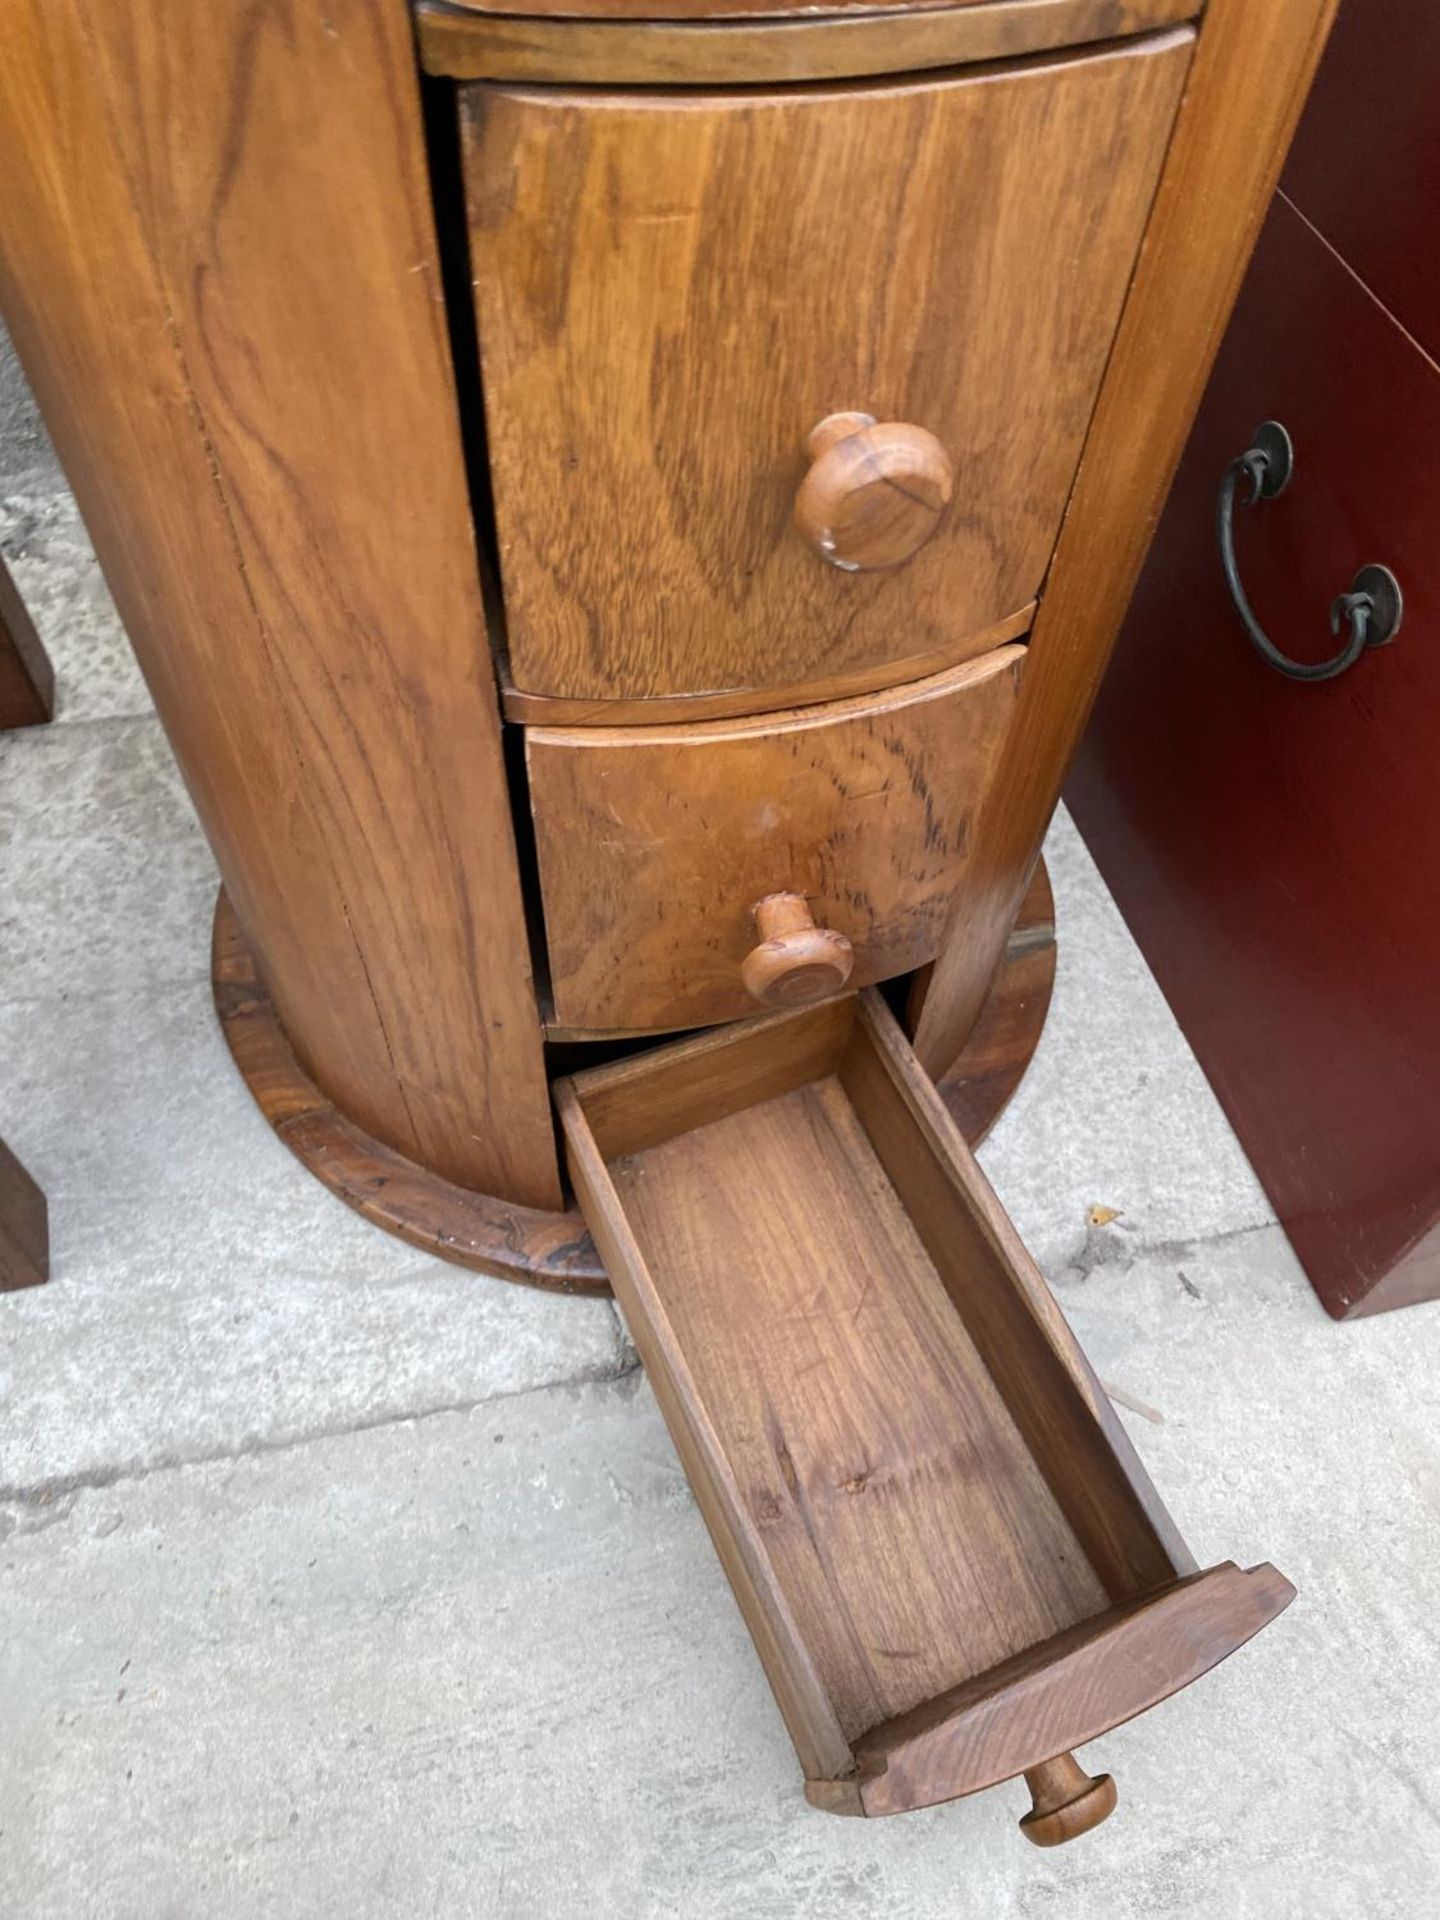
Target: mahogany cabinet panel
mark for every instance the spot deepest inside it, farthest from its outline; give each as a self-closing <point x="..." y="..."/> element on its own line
<point x="1273" y="845"/>
<point x="655" y="843"/>
<point x="24" y="1227"/>
<point x="1376" y="197"/>
<point x="673" y="289"/>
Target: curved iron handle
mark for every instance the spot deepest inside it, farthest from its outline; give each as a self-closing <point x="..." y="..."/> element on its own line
<point x="1373" y="605"/>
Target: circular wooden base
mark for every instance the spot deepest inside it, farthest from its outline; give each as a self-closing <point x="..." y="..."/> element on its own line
<point x="521" y="1243"/>
<point x="472" y="1229"/>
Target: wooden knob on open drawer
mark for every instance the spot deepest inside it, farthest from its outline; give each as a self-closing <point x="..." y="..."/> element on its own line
<point x="1067" y="1802"/>
<point x="874" y="493"/>
<point x="796" y="961"/>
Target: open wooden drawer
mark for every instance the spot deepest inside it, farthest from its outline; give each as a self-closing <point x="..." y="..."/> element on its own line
<point x="952" y="1563"/>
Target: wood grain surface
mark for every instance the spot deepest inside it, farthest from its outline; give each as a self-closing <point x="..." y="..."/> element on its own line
<point x="654" y="845"/>
<point x="902" y="1460"/>
<point x="666" y="309"/>
<point x="792" y="1049"/>
<point x="1070" y="1429"/>
<point x="535" y="1247"/>
<point x="538" y="710"/>
<point x="721" y="1082"/>
<point x="1374" y="200"/>
<point x="986" y="1076"/>
<point x="765" y="51"/>
<point x="218" y="262"/>
<point x="1060" y="1695"/>
<point x="27" y="679"/>
<point x="903" y="1516"/>
<point x="1245" y="92"/>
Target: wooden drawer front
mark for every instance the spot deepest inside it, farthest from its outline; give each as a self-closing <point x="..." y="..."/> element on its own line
<point x="654" y="844"/>
<point x="674" y="289"/>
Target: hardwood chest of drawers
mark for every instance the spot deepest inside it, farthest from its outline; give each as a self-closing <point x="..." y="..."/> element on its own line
<point x="623" y="508"/>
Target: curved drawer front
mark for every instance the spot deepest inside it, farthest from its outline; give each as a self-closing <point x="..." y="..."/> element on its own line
<point x="674" y="289"/>
<point x="655" y="844"/>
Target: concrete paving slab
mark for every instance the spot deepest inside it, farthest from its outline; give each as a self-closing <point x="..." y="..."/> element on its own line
<point x="106" y="882"/>
<point x="1115" y="1110"/>
<point x="487" y="1664"/>
<point x="208" y="1294"/>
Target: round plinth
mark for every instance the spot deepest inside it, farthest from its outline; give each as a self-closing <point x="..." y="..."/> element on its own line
<point x="472" y="1229"/>
<point x="521" y="1243"/>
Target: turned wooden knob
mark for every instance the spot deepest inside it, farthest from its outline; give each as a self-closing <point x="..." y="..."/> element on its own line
<point x="796" y="961"/>
<point x="1068" y="1802"/>
<point x="874" y="493"/>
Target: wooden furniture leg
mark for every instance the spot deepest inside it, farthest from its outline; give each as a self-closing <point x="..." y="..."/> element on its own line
<point x="27" y="679"/>
<point x="24" y="1227"/>
<point x="27" y="699"/>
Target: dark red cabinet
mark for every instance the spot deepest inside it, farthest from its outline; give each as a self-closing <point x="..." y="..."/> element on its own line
<point x="1276" y="846"/>
<point x="1365" y="167"/>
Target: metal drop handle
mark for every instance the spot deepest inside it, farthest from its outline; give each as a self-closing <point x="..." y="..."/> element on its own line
<point x="1373" y="605"/>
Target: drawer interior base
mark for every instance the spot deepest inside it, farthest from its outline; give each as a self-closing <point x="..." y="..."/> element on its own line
<point x="953" y="1564"/>
<point x="856" y="1413"/>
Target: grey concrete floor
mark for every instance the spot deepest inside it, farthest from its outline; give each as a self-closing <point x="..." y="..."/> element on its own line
<point x="336" y="1581"/>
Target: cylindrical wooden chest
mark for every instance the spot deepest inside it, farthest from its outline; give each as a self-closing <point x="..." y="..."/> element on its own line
<point x="575" y="477"/>
<point x="516" y="648"/>
<point x="623" y="509"/>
